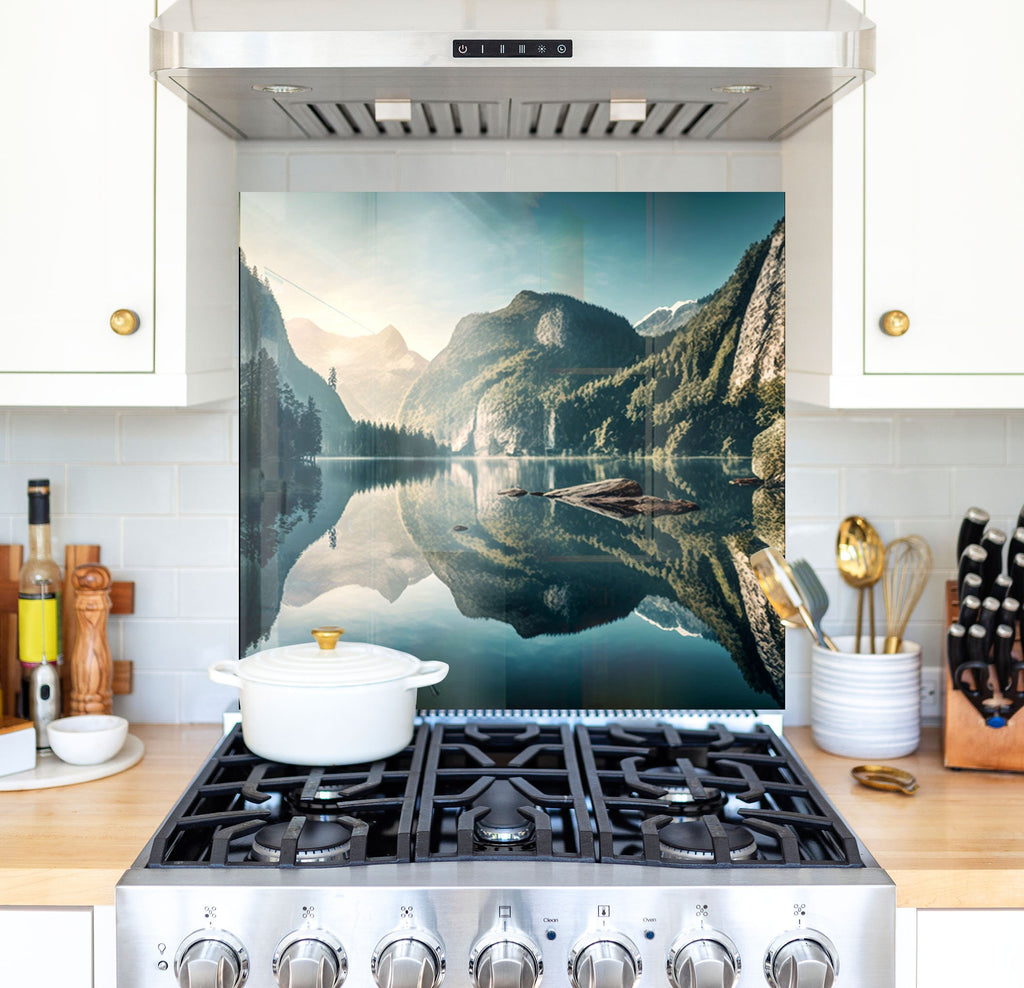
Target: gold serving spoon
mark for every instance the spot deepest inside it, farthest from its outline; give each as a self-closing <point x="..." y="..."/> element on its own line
<point x="860" y="559"/>
<point x="783" y="592"/>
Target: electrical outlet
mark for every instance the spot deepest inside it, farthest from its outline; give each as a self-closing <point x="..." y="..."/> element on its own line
<point x="931" y="694"/>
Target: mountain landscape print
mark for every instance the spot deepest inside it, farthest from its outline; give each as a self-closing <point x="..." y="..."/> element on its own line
<point x="533" y="435"/>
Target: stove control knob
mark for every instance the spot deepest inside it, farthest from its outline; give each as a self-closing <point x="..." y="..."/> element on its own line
<point x="409" y="959"/>
<point x="211" y="959"/>
<point x="310" y="959"/>
<point x="505" y="961"/>
<point x="705" y="960"/>
<point x="801" y="959"/>
<point x="607" y="960"/>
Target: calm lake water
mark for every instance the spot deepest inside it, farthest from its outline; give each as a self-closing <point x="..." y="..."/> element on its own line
<point x="534" y="603"/>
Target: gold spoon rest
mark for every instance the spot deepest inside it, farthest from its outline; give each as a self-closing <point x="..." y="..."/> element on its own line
<point x="885" y="777"/>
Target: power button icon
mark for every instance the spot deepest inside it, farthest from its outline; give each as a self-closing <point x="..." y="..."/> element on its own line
<point x="463" y="49"/>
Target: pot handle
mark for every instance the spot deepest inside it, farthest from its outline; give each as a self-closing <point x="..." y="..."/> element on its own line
<point x="224" y="673"/>
<point x="429" y="673"/>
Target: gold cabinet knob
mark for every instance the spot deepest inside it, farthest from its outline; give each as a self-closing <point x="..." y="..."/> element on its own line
<point x="895" y="323"/>
<point x="124" y="322"/>
<point x="327" y="638"/>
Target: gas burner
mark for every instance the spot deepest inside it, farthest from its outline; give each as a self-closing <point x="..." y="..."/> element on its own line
<point x="691" y="841"/>
<point x="682" y="802"/>
<point x="326" y="803"/>
<point x="319" y="843"/>
<point x="502" y="824"/>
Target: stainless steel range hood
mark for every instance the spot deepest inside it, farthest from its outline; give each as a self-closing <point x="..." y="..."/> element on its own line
<point x="497" y="69"/>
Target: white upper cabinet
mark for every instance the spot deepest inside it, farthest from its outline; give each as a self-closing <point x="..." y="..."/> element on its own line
<point x="908" y="199"/>
<point x="98" y="216"/>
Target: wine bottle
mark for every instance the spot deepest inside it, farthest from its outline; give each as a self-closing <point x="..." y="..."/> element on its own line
<point x="39" y="592"/>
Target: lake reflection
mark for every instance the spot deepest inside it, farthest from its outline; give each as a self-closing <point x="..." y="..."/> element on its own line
<point x="534" y="603"/>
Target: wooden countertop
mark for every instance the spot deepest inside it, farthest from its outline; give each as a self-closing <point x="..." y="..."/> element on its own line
<point x="958" y="843"/>
<point x="69" y="845"/>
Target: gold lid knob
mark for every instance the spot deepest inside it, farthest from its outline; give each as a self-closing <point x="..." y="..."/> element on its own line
<point x="124" y="322"/>
<point x="327" y="638"/>
<point x="895" y="323"/>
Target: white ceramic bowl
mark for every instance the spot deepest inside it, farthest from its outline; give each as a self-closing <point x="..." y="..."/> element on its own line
<point x="88" y="739"/>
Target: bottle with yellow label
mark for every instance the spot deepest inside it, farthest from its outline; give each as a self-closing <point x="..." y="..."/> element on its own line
<point x="39" y="589"/>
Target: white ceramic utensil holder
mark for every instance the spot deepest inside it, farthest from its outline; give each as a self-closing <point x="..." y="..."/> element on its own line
<point x="866" y="706"/>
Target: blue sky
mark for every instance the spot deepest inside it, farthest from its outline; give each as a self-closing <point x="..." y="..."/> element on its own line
<point x="355" y="262"/>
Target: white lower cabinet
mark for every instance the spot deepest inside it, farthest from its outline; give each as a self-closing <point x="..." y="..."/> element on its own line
<point x="43" y="947"/>
<point x="969" y="947"/>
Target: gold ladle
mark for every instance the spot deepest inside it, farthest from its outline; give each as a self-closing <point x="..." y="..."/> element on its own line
<point x="860" y="559"/>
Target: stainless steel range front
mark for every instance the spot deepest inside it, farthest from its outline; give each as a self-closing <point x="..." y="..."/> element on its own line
<point x="498" y="853"/>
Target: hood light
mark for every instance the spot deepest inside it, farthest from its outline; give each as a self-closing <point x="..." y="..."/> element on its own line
<point x="281" y="90"/>
<point x="741" y="89"/>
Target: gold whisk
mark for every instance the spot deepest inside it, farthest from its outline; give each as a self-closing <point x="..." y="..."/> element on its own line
<point x="908" y="564"/>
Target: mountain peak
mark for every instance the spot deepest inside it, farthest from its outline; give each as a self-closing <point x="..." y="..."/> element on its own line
<point x="667" y="318"/>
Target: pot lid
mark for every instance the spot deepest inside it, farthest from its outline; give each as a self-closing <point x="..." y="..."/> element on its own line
<point x="328" y="664"/>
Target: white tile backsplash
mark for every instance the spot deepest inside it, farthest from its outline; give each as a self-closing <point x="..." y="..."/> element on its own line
<point x="570" y="171"/>
<point x="441" y="173"/>
<point x="925" y="439"/>
<point x="83" y="437"/>
<point x="210" y="593"/>
<point x="179" y="542"/>
<point x="194" y="645"/>
<point x="209" y="489"/>
<point x="674" y="173"/>
<point x="175" y="437"/>
<point x="339" y="172"/>
<point x="120" y="489"/>
<point x="754" y="172"/>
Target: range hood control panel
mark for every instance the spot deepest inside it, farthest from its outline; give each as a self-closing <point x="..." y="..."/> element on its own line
<point x="515" y="48"/>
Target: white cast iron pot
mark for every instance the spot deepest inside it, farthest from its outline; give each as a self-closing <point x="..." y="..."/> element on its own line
<point x="328" y="705"/>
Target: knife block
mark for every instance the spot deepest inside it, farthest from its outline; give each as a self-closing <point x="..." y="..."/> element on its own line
<point x="967" y="741"/>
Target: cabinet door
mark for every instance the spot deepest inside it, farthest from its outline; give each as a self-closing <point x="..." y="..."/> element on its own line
<point x="944" y="207"/>
<point x="43" y="946"/>
<point x="954" y="947"/>
<point x="76" y="187"/>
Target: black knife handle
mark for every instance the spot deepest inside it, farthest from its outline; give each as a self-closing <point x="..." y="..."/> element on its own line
<point x="1009" y="611"/>
<point x="1000" y="587"/>
<point x="1016" y="545"/>
<point x="977" y="658"/>
<point x="1002" y="660"/>
<point x="971" y="586"/>
<point x="972" y="560"/>
<point x="1020" y="518"/>
<point x="970" y="608"/>
<point x="956" y="649"/>
<point x="993" y="542"/>
<point x="971" y="528"/>
<point x="1016" y="571"/>
<point x="988" y="618"/>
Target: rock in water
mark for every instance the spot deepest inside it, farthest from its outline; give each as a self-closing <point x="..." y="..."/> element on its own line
<point x="619" y="498"/>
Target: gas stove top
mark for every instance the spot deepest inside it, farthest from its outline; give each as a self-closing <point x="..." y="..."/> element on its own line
<point x="492" y="852"/>
<point x="645" y="793"/>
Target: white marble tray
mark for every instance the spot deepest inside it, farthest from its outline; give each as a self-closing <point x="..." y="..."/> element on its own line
<point x="50" y="771"/>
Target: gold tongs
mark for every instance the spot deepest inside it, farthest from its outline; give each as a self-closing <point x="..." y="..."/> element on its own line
<point x="885" y="777"/>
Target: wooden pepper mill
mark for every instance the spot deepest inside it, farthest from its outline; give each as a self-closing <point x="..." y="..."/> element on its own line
<point x="92" y="670"/>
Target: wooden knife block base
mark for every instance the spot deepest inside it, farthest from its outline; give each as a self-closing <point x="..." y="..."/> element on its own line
<point x="967" y="741"/>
